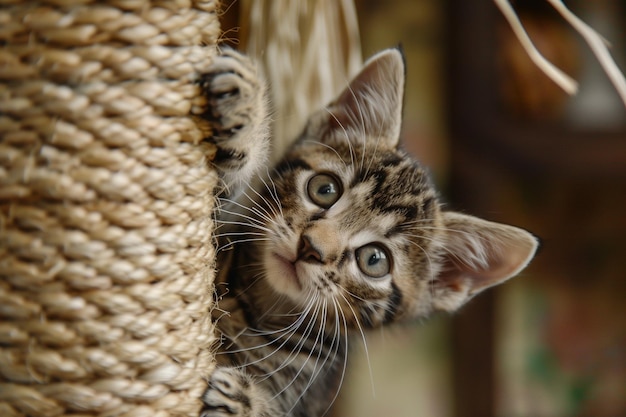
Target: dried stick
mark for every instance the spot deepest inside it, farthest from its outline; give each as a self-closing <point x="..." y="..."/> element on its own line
<point x="597" y="44"/>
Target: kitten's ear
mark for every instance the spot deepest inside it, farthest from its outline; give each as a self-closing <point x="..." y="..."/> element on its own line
<point x="478" y="254"/>
<point x="371" y="105"/>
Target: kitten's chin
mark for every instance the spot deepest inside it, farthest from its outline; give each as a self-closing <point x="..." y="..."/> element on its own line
<point x="282" y="275"/>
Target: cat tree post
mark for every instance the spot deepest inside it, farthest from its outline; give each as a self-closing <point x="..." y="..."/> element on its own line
<point x="106" y="259"/>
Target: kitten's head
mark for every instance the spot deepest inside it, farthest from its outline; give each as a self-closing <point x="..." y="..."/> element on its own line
<point x="359" y="227"/>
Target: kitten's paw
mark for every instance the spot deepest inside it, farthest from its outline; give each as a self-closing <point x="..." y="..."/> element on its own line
<point x="230" y="392"/>
<point x="237" y="112"/>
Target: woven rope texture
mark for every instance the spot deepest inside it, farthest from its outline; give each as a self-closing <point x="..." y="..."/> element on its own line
<point x="106" y="259"/>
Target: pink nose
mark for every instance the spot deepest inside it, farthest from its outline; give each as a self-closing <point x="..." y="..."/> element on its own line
<point x="308" y="252"/>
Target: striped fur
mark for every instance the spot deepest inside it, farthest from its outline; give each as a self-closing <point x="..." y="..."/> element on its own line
<point x="304" y="267"/>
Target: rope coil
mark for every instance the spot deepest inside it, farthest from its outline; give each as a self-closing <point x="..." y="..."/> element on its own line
<point x="106" y="259"/>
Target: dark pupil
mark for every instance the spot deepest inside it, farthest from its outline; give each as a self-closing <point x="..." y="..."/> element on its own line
<point x="326" y="189"/>
<point x="374" y="259"/>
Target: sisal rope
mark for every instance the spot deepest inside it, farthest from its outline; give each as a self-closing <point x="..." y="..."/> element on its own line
<point x="106" y="259"/>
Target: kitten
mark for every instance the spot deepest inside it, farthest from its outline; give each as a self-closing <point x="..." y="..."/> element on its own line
<point x="346" y="233"/>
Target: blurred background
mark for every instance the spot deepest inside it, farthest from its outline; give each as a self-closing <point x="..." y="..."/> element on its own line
<point x="505" y="143"/>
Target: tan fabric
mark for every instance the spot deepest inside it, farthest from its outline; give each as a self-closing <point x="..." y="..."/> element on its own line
<point x="308" y="50"/>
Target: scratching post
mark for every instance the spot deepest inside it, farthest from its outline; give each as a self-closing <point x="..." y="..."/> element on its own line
<point x="106" y="258"/>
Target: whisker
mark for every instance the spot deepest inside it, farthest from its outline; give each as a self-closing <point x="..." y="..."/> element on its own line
<point x="363" y="338"/>
<point x="228" y="234"/>
<point x="273" y="192"/>
<point x="298" y="349"/>
<point x="255" y="222"/>
<point x="316" y="142"/>
<point x="319" y="338"/>
<point x="345" y="133"/>
<point x="262" y="215"/>
<point x="344" y="361"/>
<point x="236" y="242"/>
<point x="266" y="207"/>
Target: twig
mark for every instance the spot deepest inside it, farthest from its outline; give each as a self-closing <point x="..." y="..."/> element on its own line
<point x="598" y="46"/>
<point x="597" y="43"/>
<point x="563" y="80"/>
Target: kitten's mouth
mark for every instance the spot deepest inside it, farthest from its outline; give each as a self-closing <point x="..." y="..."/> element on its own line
<point x="288" y="269"/>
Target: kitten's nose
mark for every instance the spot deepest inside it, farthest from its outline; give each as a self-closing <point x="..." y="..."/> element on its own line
<point x="308" y="252"/>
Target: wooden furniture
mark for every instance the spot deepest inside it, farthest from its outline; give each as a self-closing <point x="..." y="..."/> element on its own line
<point x="561" y="174"/>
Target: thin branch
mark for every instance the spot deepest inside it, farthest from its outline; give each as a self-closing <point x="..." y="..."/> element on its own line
<point x="597" y="44"/>
<point x="567" y="83"/>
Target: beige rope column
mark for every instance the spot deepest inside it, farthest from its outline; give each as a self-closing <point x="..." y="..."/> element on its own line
<point x="106" y="259"/>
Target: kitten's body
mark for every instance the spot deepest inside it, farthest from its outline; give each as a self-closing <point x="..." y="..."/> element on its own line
<point x="346" y="233"/>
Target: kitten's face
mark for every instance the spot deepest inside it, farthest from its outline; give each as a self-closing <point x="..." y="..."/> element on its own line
<point x="359" y="225"/>
<point x="359" y="229"/>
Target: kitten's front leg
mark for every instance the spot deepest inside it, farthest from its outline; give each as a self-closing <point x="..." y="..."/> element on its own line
<point x="233" y="393"/>
<point x="238" y="115"/>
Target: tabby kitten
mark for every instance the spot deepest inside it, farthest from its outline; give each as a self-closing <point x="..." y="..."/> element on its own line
<point x="345" y="233"/>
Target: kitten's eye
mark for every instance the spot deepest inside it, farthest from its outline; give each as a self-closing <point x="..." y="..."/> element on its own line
<point x="324" y="190"/>
<point x="373" y="260"/>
